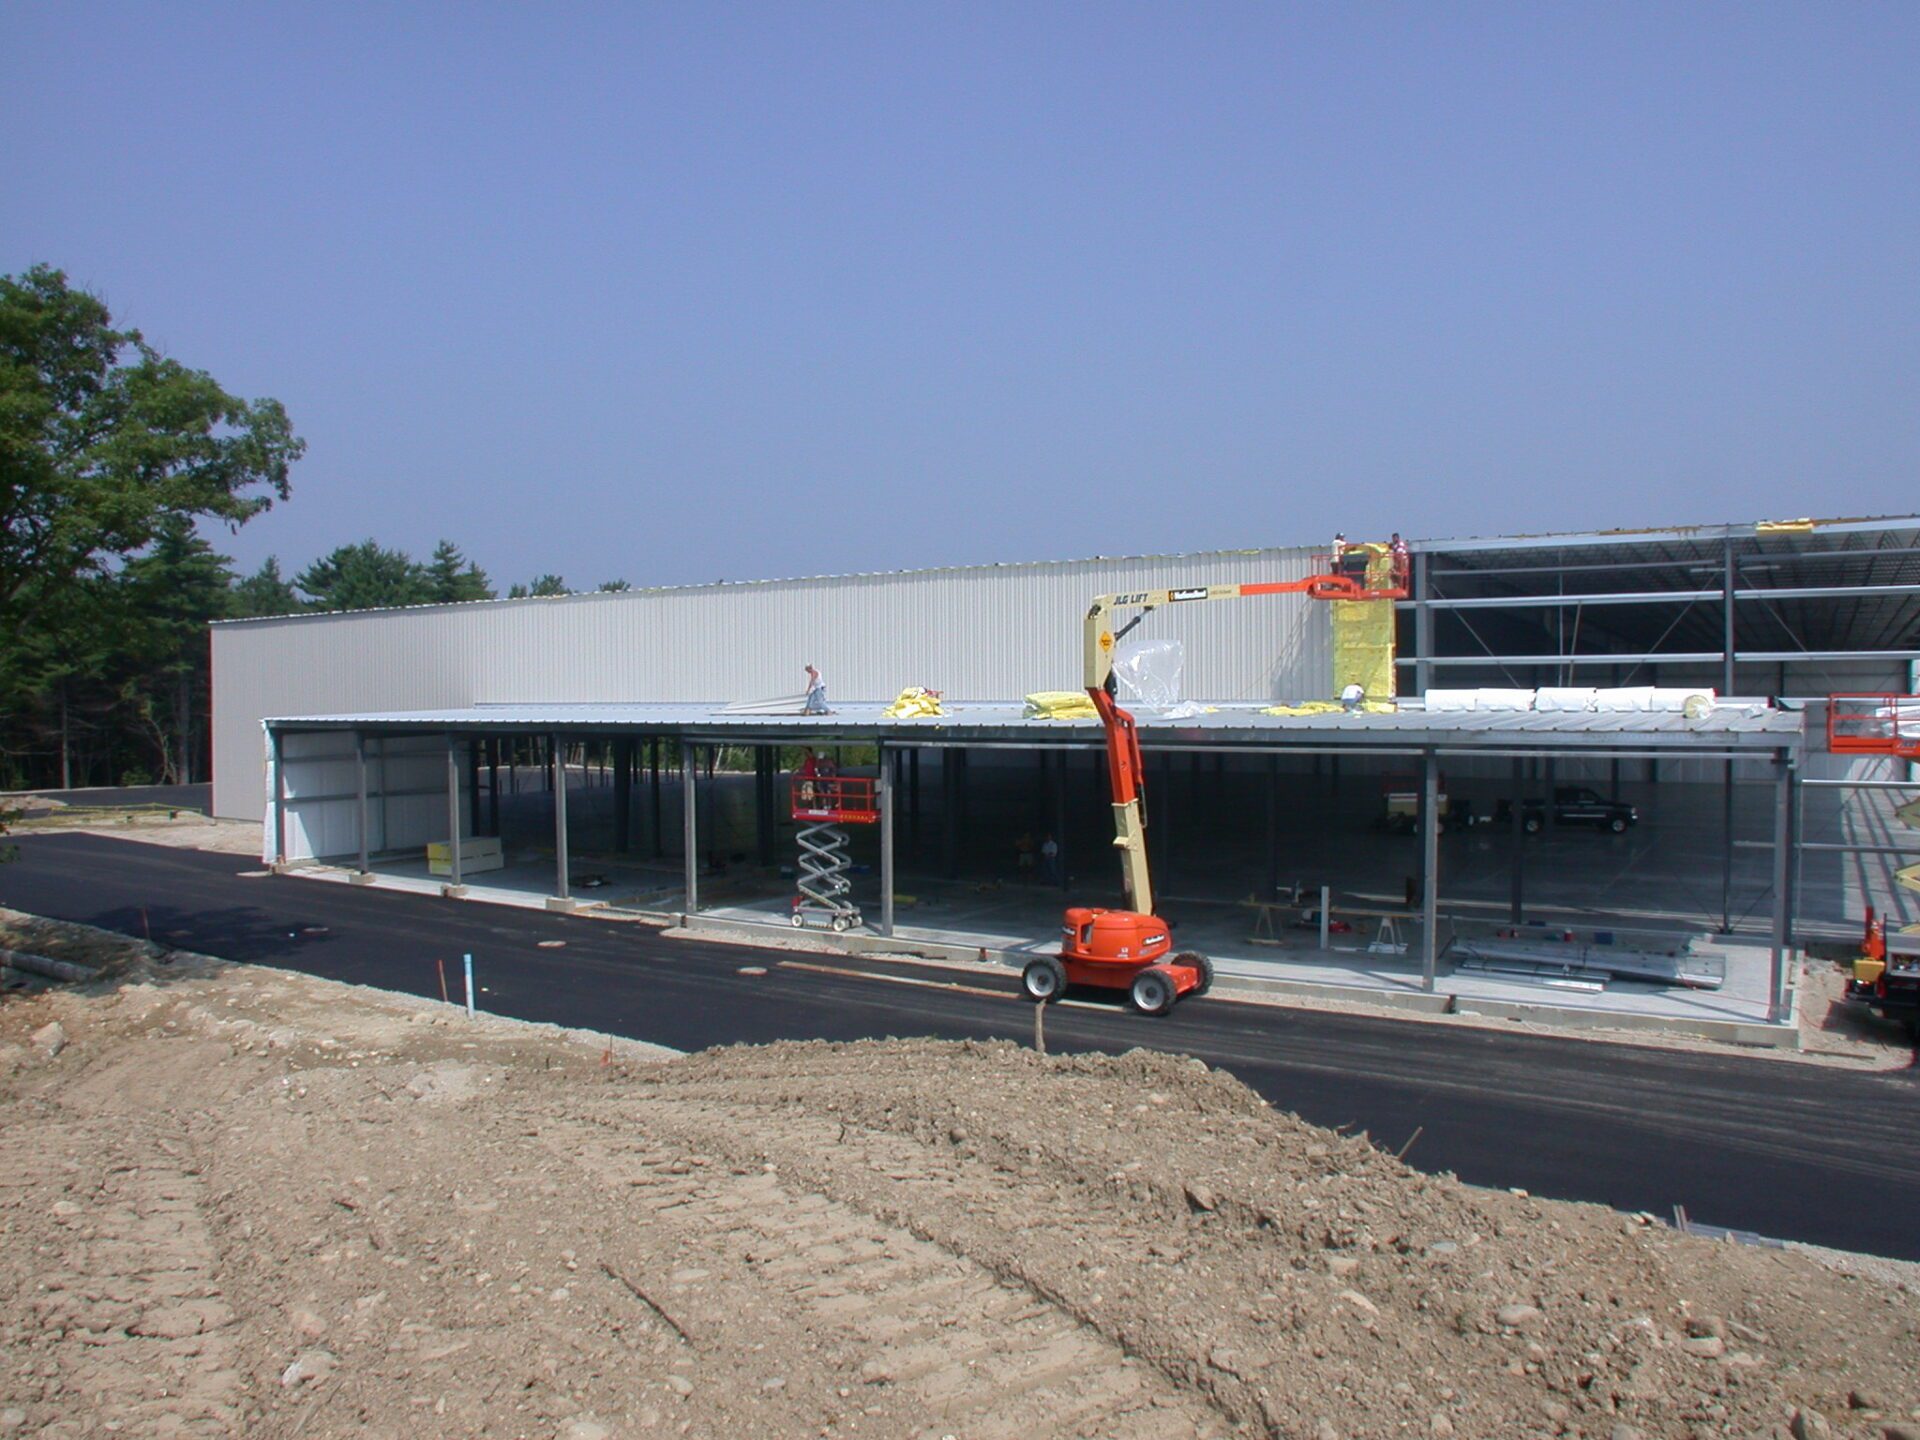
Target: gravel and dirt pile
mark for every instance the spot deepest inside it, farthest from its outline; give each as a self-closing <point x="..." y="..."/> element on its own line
<point x="236" y="1201"/>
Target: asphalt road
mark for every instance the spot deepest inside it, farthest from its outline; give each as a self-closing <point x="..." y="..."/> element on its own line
<point x="1792" y="1151"/>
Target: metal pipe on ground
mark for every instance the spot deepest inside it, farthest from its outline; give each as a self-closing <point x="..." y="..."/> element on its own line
<point x="46" y="967"/>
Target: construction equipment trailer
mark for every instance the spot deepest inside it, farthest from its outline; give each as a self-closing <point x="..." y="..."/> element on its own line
<point x="1131" y="949"/>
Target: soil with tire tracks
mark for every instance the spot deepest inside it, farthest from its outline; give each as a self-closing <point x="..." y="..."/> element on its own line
<point x="239" y="1201"/>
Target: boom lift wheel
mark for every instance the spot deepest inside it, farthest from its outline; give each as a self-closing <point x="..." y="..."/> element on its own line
<point x="1194" y="960"/>
<point x="1044" y="980"/>
<point x="1151" y="993"/>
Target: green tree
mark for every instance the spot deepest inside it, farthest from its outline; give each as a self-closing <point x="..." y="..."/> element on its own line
<point x="103" y="439"/>
<point x="167" y="595"/>
<point x="451" y="577"/>
<point x="364" y="577"/>
<point x="613" y="586"/>
<point x="262" y="593"/>
<point x="550" y="585"/>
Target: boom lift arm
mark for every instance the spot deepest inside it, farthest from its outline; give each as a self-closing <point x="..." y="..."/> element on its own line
<point x="1125" y="772"/>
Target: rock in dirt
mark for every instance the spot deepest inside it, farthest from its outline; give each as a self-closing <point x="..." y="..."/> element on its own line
<point x="311" y="1366"/>
<point x="1704" y="1347"/>
<point x="1518" y="1316"/>
<point x="50" y="1039"/>
<point x="1201" y="1198"/>
<point x="585" y="1430"/>
<point x="1809" y="1425"/>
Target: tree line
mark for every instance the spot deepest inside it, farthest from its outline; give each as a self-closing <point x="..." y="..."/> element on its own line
<point x="112" y="456"/>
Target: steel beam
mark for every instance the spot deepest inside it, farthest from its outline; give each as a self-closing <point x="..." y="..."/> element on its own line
<point x="1686" y="657"/>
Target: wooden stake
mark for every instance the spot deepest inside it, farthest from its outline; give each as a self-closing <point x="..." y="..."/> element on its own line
<point x="445" y="999"/>
<point x="1040" y="1029"/>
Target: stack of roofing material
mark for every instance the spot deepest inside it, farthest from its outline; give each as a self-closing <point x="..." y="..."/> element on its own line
<point x="1692" y="700"/>
<point x="1695" y="972"/>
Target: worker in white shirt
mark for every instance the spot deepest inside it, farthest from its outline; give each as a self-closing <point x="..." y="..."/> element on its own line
<point x="816" y="693"/>
<point x="1352" y="696"/>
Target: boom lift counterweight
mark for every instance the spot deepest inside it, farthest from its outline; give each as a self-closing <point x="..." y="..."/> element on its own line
<point x="1131" y="949"/>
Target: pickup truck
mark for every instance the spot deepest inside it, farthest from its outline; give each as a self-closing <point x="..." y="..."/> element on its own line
<point x="1573" y="805"/>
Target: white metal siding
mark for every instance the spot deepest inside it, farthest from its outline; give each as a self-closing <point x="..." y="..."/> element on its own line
<point x="987" y="633"/>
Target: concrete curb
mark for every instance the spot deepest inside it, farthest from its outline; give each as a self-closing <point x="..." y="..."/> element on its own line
<point x="1783" y="1036"/>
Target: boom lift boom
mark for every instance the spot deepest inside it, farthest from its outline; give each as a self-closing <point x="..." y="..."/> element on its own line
<point x="1126" y="949"/>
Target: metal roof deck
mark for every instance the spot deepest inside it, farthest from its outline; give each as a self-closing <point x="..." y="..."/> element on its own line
<point x="1747" y="726"/>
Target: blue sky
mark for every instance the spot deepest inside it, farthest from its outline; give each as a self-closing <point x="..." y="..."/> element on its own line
<point x="687" y="292"/>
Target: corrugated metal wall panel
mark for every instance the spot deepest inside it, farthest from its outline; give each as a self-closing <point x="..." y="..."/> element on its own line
<point x="987" y="633"/>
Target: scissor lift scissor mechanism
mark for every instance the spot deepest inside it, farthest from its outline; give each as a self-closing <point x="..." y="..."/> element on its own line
<point x="823" y="805"/>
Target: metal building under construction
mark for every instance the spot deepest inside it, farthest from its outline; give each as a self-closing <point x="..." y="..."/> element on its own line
<point x="593" y="750"/>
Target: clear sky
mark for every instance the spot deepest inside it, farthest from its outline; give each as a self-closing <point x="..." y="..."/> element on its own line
<point x="681" y="292"/>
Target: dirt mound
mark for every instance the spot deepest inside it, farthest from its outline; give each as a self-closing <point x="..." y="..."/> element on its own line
<point x="237" y="1201"/>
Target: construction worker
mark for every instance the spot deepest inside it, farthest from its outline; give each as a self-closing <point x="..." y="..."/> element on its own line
<point x="1339" y="548"/>
<point x="1402" y="562"/>
<point x="816" y="693"/>
<point x="1352" y="696"/>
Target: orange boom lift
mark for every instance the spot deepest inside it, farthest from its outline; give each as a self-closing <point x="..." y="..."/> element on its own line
<point x="1130" y="949"/>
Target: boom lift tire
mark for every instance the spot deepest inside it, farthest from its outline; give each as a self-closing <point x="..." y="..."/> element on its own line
<point x="1044" y="980"/>
<point x="1194" y="960"/>
<point x="1151" y="993"/>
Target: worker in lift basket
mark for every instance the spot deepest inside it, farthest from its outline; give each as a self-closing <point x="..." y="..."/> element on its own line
<point x="816" y="693"/>
<point x="1353" y="696"/>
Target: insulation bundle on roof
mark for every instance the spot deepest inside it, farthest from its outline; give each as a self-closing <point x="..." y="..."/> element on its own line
<point x="1061" y="705"/>
<point x="915" y="702"/>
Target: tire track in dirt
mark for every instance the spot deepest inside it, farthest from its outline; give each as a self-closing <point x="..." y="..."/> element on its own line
<point x="939" y="1335"/>
<point x="129" y="1307"/>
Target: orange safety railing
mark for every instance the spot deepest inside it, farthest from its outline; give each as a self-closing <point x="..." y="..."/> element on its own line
<point x="846" y="799"/>
<point x="1352" y="566"/>
<point x="1880" y="724"/>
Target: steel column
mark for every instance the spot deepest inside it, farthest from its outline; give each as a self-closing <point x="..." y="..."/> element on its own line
<point x="1430" y="867"/>
<point x="277" y="760"/>
<point x="690" y="826"/>
<point x="886" y="838"/>
<point x="1782" y="884"/>
<point x="560" y="860"/>
<point x="453" y="812"/>
<point x="1422" y="620"/>
<point x="659" y="840"/>
<point x="1517" y="913"/>
<point x="622" y="794"/>
<point x="360" y="796"/>
<point x="1726" y="620"/>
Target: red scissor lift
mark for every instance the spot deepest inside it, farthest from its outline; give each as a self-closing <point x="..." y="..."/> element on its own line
<point x="822" y="804"/>
<point x="1874" y="724"/>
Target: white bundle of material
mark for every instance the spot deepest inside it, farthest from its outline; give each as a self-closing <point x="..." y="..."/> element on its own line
<point x="1564" y="698"/>
<point x="1680" y="697"/>
<point x="1507" y="700"/>
<point x="1623" y="699"/>
<point x="1444" y="702"/>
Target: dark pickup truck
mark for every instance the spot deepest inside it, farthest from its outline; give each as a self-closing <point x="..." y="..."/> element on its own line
<point x="1573" y="805"/>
